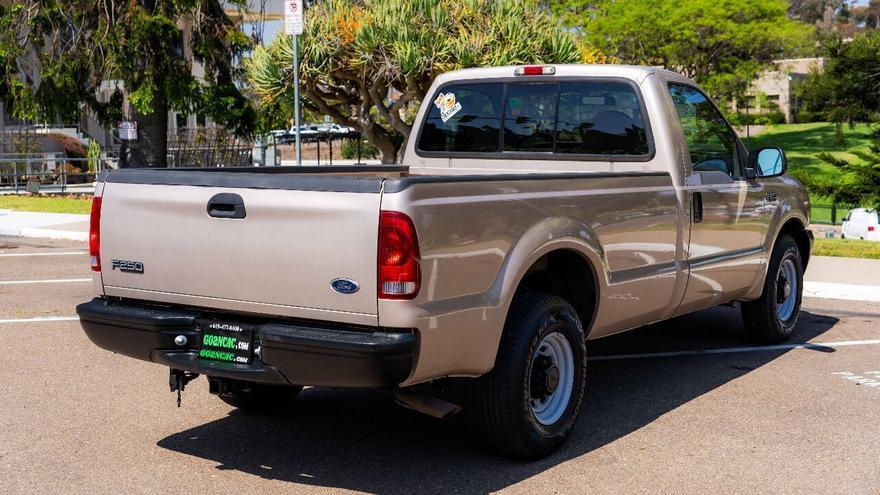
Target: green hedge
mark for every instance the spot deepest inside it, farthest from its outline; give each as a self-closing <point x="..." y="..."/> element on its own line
<point x="772" y="117"/>
<point x="349" y="150"/>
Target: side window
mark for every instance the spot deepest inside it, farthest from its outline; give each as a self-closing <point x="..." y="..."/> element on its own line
<point x="530" y="117"/>
<point x="711" y="143"/>
<point x="464" y="118"/>
<point x="600" y="118"/>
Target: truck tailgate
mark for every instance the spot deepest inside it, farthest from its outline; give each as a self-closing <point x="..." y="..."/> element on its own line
<point x="279" y="259"/>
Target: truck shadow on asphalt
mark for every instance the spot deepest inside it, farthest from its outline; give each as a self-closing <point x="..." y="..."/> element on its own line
<point x="359" y="440"/>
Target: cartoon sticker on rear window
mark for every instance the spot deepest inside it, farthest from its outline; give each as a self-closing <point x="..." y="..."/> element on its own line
<point x="447" y="105"/>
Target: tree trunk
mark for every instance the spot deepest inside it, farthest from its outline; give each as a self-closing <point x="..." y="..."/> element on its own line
<point x="383" y="142"/>
<point x="402" y="149"/>
<point x="150" y="150"/>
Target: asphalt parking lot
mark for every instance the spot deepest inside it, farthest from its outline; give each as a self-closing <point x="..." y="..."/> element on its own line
<point x="661" y="415"/>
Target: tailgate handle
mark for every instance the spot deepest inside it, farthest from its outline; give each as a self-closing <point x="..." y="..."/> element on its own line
<point x="226" y="205"/>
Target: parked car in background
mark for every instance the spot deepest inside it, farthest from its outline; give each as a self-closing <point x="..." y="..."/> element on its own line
<point x="306" y="132"/>
<point x="861" y="223"/>
<point x="341" y="131"/>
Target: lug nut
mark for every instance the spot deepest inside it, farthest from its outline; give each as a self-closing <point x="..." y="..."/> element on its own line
<point x="180" y="340"/>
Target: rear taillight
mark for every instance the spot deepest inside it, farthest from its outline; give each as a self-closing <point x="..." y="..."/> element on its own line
<point x="870" y="228"/>
<point x="398" y="257"/>
<point x="95" y="235"/>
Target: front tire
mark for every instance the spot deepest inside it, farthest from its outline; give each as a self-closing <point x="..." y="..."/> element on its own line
<point x="528" y="404"/>
<point x="772" y="317"/>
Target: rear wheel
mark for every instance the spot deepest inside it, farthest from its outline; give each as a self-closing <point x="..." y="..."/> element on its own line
<point x="772" y="317"/>
<point x="527" y="405"/>
<point x="257" y="397"/>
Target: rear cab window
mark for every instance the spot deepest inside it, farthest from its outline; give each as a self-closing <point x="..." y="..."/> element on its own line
<point x="562" y="120"/>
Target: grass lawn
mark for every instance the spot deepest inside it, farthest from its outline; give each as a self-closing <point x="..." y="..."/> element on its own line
<point x="46" y="204"/>
<point x="820" y="211"/>
<point x="848" y="248"/>
<point x="802" y="142"/>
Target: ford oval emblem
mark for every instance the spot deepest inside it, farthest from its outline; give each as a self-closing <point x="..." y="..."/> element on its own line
<point x="344" y="285"/>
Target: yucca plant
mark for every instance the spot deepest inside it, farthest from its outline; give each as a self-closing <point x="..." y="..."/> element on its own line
<point x="353" y="52"/>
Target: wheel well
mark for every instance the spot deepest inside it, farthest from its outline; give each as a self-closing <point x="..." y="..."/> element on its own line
<point x="798" y="232"/>
<point x="569" y="275"/>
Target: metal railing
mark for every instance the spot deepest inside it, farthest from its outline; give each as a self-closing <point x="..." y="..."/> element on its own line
<point x="50" y="172"/>
<point x="832" y="214"/>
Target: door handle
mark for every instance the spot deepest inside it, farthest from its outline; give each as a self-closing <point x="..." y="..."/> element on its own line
<point x="697" y="199"/>
<point x="226" y="205"/>
<point x="770" y="197"/>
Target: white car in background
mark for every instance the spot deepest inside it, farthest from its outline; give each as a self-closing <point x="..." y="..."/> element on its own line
<point x="861" y="223"/>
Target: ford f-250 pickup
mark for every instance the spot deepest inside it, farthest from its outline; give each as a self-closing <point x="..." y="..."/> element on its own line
<point x="538" y="208"/>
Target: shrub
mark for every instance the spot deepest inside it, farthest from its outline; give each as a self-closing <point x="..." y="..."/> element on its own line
<point x="772" y="117"/>
<point x="349" y="150"/>
<point x="806" y="116"/>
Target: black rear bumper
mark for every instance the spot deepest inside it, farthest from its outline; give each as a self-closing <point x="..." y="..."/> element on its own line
<point x="290" y="353"/>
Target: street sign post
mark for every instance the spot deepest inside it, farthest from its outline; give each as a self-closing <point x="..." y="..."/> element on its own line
<point x="128" y="130"/>
<point x="293" y="25"/>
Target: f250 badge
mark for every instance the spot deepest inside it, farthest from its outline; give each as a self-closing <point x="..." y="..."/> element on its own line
<point x="127" y="266"/>
<point x="344" y="285"/>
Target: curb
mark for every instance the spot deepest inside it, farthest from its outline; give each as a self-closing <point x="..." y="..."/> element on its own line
<point x="46" y="234"/>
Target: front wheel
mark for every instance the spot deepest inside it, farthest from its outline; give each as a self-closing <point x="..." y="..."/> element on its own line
<point x="527" y="405"/>
<point x="772" y="317"/>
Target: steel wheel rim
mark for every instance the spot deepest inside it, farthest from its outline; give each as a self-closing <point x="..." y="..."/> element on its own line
<point x="548" y="409"/>
<point x="786" y="289"/>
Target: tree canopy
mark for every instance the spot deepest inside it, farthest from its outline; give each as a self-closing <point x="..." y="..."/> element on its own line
<point x="848" y="90"/>
<point x="722" y="44"/>
<point x="55" y="56"/>
<point x="354" y="53"/>
<point x="859" y="182"/>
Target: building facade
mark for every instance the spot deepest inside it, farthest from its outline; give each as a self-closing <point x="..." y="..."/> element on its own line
<point x="778" y="86"/>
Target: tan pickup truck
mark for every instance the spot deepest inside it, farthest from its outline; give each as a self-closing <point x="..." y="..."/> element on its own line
<point x="538" y="208"/>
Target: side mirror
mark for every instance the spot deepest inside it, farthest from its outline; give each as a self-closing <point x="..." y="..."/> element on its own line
<point x="767" y="162"/>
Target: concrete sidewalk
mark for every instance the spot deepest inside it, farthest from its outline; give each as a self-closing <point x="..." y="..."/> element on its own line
<point x="44" y="225"/>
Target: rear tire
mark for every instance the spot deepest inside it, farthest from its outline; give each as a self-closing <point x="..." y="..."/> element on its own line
<point x="528" y="404"/>
<point x="772" y="317"/>
<point x="257" y="397"/>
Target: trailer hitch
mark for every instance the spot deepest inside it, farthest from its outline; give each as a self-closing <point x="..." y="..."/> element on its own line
<point x="178" y="379"/>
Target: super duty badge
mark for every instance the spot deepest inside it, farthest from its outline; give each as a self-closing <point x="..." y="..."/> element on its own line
<point x="126" y="266"/>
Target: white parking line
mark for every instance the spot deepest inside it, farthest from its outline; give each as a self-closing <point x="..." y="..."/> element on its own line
<point x="39" y="319"/>
<point x="48" y="281"/>
<point x="732" y="350"/>
<point x="65" y="253"/>
<point x="848" y="292"/>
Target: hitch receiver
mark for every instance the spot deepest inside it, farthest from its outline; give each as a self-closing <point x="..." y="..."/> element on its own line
<point x="177" y="380"/>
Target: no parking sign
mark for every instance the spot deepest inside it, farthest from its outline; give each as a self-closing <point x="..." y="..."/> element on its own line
<point x="293" y="17"/>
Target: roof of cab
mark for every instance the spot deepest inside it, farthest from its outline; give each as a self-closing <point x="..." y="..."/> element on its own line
<point x="636" y="73"/>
